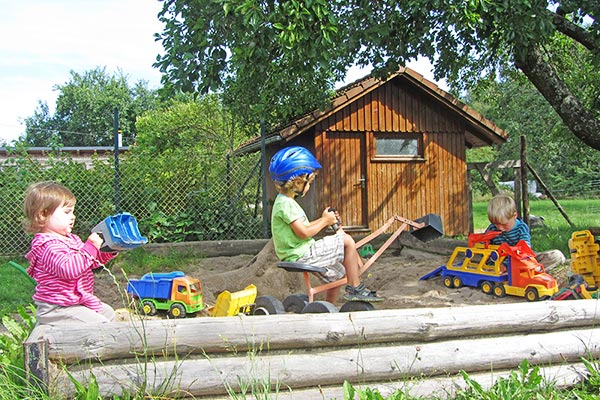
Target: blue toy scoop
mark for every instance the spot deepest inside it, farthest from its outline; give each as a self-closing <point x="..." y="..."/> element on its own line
<point x="120" y="232"/>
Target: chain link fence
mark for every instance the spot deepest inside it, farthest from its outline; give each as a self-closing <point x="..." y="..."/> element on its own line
<point x="190" y="198"/>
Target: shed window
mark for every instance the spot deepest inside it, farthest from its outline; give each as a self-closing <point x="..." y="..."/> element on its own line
<point x="395" y="147"/>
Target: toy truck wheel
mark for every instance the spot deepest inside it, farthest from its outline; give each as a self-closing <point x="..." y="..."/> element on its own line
<point x="267" y="305"/>
<point x="350" y="306"/>
<point x="319" y="307"/>
<point x="457" y="282"/>
<point x="531" y="294"/>
<point x="487" y="287"/>
<point x="448" y="281"/>
<point x="177" y="311"/>
<point x="148" y="308"/>
<point x="295" y="303"/>
<point x="499" y="290"/>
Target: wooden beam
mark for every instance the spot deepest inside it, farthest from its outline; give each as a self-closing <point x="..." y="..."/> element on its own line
<point x="207" y="356"/>
<point x="494" y="164"/>
<point x="487" y="178"/>
<point x="517" y="187"/>
<point x="563" y="376"/>
<point x="294" y="331"/>
<point x="35" y="352"/>
<point x="211" y="375"/>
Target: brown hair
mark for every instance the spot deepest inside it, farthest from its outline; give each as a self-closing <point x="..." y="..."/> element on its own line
<point x="41" y="200"/>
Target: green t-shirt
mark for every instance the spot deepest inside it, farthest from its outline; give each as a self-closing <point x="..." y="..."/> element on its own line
<point x="288" y="246"/>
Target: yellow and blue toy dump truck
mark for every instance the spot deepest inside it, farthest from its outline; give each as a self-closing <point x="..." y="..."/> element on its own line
<point x="174" y="292"/>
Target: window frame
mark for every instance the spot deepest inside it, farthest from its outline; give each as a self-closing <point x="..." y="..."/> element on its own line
<point x="397" y="157"/>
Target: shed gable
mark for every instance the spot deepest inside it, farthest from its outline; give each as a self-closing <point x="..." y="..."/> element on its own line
<point x="394" y="107"/>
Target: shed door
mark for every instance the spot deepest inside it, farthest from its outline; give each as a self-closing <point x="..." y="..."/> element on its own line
<point x="344" y="166"/>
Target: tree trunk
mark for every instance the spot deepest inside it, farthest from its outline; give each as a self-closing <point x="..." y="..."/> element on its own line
<point x="571" y="110"/>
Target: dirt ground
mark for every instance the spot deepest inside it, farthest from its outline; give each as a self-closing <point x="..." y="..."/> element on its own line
<point x="395" y="275"/>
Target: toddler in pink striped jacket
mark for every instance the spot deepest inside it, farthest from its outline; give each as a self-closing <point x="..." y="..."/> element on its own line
<point x="60" y="262"/>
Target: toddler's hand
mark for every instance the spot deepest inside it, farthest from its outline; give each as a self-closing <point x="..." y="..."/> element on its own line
<point x="95" y="239"/>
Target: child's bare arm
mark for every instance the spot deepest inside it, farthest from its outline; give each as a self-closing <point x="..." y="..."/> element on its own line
<point x="328" y="218"/>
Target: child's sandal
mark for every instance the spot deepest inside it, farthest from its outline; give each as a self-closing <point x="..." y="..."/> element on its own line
<point x="361" y="293"/>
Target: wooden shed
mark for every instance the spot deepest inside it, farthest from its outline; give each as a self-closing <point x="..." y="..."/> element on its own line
<point x="388" y="147"/>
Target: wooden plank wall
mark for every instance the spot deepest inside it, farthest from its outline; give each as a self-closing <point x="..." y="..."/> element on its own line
<point x="414" y="188"/>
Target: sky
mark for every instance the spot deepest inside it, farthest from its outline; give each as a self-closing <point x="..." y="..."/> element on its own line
<point x="42" y="41"/>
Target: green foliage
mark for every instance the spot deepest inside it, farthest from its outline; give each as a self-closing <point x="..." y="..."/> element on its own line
<point x="91" y="391"/>
<point x="271" y="57"/>
<point x="261" y="51"/>
<point x="11" y="347"/>
<point x="179" y="188"/>
<point x="524" y="384"/>
<point x="85" y="108"/>
<point x="91" y="187"/>
<point x="351" y="393"/>
<point x="202" y="125"/>
<point x="205" y="219"/>
<point x="184" y="146"/>
<point x="515" y="105"/>
<point x="12" y="386"/>
<point x="590" y="387"/>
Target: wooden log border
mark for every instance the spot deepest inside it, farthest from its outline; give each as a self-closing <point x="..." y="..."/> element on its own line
<point x="316" y="353"/>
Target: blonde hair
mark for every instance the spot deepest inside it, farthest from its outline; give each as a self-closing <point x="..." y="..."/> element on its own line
<point x="288" y="186"/>
<point x="41" y="200"/>
<point x="501" y="208"/>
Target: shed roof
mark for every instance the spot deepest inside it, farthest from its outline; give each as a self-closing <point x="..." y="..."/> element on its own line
<point x="480" y="130"/>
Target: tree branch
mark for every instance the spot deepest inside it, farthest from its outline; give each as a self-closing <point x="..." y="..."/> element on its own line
<point x="571" y="110"/>
<point x="575" y="32"/>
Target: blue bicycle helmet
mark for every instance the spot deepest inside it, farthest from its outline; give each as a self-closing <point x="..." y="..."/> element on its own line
<point x="291" y="162"/>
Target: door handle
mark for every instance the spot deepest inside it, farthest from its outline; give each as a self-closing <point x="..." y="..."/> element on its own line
<point x="361" y="182"/>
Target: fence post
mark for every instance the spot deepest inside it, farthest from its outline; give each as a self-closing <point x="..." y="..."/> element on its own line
<point x="524" y="185"/>
<point x="116" y="144"/>
<point x="517" y="185"/>
<point x="263" y="174"/>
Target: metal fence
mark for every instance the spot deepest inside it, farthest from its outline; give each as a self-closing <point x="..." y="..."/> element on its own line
<point x="173" y="199"/>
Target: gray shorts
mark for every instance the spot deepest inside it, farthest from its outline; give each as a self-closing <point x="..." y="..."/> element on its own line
<point x="327" y="252"/>
<point x="52" y="314"/>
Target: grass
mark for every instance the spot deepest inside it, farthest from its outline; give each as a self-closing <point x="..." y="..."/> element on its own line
<point x="15" y="290"/>
<point x="139" y="261"/>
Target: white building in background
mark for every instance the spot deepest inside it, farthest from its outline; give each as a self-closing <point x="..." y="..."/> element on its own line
<point x="77" y="154"/>
<point x="531" y="187"/>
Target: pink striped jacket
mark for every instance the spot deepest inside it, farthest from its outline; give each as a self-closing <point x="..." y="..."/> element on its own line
<point x="62" y="267"/>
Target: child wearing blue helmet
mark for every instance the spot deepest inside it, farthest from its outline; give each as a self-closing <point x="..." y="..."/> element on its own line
<point x="292" y="170"/>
